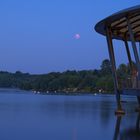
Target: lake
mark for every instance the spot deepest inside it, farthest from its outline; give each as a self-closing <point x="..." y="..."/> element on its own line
<point x="28" y="116"/>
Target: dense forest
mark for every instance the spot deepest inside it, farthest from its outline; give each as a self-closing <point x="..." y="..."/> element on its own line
<point x="69" y="81"/>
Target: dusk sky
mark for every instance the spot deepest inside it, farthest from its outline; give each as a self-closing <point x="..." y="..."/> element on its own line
<point x="41" y="36"/>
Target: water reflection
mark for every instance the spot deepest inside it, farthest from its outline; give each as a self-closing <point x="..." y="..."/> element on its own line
<point x="117" y="129"/>
<point x="27" y="116"/>
<point x="132" y="133"/>
<point x="105" y="113"/>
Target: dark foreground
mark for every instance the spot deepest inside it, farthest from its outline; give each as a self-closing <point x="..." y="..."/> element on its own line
<point x="26" y="116"/>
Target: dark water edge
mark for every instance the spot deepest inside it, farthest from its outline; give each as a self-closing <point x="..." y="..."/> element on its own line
<point x="25" y="115"/>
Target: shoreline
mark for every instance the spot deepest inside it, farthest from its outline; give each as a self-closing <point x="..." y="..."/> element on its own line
<point x="39" y="92"/>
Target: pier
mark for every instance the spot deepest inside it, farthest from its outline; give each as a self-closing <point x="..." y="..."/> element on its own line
<point x="124" y="26"/>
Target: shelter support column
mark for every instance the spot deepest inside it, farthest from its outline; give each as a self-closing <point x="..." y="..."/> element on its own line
<point x="128" y="55"/>
<point x="134" y="47"/>
<point x="135" y="54"/>
<point x="114" y="73"/>
<point x="130" y="62"/>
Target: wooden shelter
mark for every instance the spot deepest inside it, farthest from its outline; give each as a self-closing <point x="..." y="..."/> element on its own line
<point x="123" y="26"/>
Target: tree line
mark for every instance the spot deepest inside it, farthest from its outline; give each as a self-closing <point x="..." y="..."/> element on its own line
<point x="69" y="81"/>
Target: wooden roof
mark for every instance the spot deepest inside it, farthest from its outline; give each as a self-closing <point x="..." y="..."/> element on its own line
<point x="118" y="24"/>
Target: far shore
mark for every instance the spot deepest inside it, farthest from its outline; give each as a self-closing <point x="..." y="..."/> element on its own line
<point x="54" y="92"/>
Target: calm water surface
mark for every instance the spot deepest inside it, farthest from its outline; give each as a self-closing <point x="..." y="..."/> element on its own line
<point x="26" y="116"/>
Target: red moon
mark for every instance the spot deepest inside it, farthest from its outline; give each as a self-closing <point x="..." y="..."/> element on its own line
<point x="77" y="36"/>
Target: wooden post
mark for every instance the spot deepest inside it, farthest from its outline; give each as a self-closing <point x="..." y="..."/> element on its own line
<point x="128" y="55"/>
<point x="134" y="47"/>
<point x="135" y="54"/>
<point x="113" y="66"/>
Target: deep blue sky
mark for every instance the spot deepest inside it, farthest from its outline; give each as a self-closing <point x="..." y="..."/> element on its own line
<point x="37" y="36"/>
